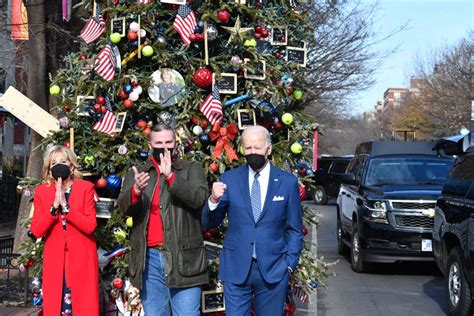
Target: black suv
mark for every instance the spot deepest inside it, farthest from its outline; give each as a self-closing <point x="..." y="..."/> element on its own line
<point x="327" y="177"/>
<point x="385" y="208"/>
<point x="453" y="234"/>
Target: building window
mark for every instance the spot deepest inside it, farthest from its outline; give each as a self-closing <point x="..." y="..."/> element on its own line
<point x="396" y="95"/>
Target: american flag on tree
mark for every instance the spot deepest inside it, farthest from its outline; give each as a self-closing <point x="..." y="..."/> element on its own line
<point x="94" y="28"/>
<point x="106" y="124"/>
<point x="105" y="66"/>
<point x="212" y="107"/>
<point x="185" y="23"/>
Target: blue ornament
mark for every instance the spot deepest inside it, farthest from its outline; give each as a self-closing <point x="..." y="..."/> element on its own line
<point x="37" y="301"/>
<point x="196" y="29"/>
<point x="30" y="234"/>
<point x="114" y="182"/>
<point x="302" y="164"/>
<point x="302" y="142"/>
<point x="143" y="154"/>
<point x="91" y="112"/>
<point x="128" y="87"/>
<point x="201" y="24"/>
<point x="204" y="138"/>
<point x="309" y="172"/>
<point x="314" y="284"/>
<point x="134" y="45"/>
<point x="265" y="110"/>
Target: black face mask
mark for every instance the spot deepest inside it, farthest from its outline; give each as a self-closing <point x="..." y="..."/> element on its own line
<point x="256" y="161"/>
<point x="158" y="151"/>
<point x="60" y="171"/>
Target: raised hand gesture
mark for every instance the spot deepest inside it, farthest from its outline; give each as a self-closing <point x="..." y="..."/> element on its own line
<point x="165" y="163"/>
<point x="141" y="180"/>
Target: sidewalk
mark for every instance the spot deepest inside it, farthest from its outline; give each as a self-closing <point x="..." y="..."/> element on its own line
<point x="18" y="311"/>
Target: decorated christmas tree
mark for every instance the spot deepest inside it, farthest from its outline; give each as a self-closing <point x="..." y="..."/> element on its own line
<point x="208" y="69"/>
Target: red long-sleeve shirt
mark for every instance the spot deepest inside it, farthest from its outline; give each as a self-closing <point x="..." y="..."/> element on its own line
<point x="155" y="224"/>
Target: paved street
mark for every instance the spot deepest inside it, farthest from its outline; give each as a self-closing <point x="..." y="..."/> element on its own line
<point x="398" y="289"/>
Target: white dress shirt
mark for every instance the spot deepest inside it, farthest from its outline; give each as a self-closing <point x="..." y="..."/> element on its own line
<point x="263" y="179"/>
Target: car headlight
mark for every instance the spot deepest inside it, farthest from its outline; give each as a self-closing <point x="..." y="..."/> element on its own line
<point x="375" y="211"/>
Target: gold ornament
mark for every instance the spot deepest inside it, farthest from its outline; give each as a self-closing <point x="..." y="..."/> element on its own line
<point x="236" y="30"/>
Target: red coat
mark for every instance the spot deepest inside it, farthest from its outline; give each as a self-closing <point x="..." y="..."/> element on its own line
<point x="72" y="251"/>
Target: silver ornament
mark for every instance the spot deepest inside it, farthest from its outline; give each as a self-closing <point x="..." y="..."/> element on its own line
<point x="165" y="118"/>
<point x="161" y="40"/>
<point x="212" y="32"/>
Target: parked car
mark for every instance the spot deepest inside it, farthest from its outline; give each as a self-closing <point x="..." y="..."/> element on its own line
<point x="385" y="208"/>
<point x="453" y="233"/>
<point x="326" y="178"/>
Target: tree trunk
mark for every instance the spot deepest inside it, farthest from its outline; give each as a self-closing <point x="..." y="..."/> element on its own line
<point x="36" y="90"/>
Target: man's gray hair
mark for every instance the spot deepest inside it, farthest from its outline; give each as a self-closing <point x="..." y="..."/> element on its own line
<point x="258" y="129"/>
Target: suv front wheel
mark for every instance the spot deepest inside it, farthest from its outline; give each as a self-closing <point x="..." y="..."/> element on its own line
<point x="457" y="287"/>
<point x="320" y="196"/>
<point x="356" y="261"/>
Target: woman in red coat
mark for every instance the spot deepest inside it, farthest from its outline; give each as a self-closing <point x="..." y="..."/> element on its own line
<point x="65" y="216"/>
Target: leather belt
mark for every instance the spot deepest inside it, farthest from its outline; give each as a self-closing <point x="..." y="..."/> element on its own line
<point x="160" y="247"/>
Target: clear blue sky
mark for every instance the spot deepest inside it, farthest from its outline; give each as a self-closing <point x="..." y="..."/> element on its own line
<point x="431" y="25"/>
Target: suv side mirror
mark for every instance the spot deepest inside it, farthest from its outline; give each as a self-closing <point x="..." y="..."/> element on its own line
<point x="347" y="178"/>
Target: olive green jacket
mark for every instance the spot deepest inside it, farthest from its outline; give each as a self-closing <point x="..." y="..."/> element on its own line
<point x="180" y="208"/>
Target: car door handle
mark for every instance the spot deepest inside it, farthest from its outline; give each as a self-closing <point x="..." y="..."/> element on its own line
<point x="343" y="193"/>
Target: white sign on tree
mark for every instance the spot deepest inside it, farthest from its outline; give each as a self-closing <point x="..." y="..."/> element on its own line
<point x="29" y="112"/>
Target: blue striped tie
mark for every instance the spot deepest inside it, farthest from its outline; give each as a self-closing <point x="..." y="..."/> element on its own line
<point x="255" y="197"/>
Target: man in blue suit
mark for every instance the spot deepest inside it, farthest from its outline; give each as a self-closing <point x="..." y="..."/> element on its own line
<point x="264" y="235"/>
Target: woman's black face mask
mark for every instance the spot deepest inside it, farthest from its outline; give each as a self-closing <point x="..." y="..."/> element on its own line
<point x="60" y="170"/>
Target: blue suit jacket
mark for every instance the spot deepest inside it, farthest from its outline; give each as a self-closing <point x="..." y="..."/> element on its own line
<point x="277" y="233"/>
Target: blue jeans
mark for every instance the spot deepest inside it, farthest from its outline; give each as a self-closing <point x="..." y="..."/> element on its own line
<point x="159" y="300"/>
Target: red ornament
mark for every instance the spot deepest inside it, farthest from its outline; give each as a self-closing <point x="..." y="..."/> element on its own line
<point x="117" y="283"/>
<point x="195" y="120"/>
<point x="132" y="36"/>
<point x="101" y="183"/>
<point x="278" y="126"/>
<point x="135" y="84"/>
<point x="202" y="78"/>
<point x="67" y="144"/>
<point x="214" y="168"/>
<point x="264" y="33"/>
<point x="302" y="192"/>
<point x="100" y="100"/>
<point x="128" y="104"/>
<point x="258" y="29"/>
<point x="174" y="7"/>
<point x="257" y="35"/>
<point x="199" y="37"/>
<point x="142" y="124"/>
<point x="30" y="261"/>
<point x="223" y="16"/>
<point x="207" y="234"/>
<point x="122" y="95"/>
<point x="103" y="109"/>
<point x="83" y="57"/>
<point x="147" y="131"/>
<point x="203" y="124"/>
<point x="192" y="37"/>
<point x="304" y="230"/>
<point x="96" y="107"/>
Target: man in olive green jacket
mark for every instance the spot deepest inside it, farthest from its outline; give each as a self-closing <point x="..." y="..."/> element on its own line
<point x="167" y="257"/>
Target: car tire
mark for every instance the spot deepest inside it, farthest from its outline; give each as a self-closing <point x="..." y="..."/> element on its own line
<point x="357" y="264"/>
<point x="341" y="246"/>
<point x="457" y="288"/>
<point x="320" y="197"/>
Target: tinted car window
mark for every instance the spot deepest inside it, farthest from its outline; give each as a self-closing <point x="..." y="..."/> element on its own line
<point x="355" y="166"/>
<point x="470" y="194"/>
<point x="412" y="170"/>
<point x="339" y="166"/>
<point x="323" y="165"/>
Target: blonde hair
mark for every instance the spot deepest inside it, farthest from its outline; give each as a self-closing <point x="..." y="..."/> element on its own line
<point x="167" y="71"/>
<point x="48" y="156"/>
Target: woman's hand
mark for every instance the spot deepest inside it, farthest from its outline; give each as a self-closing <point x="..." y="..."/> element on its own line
<point x="60" y="198"/>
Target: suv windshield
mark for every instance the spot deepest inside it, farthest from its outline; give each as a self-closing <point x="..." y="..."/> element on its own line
<point x="385" y="171"/>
